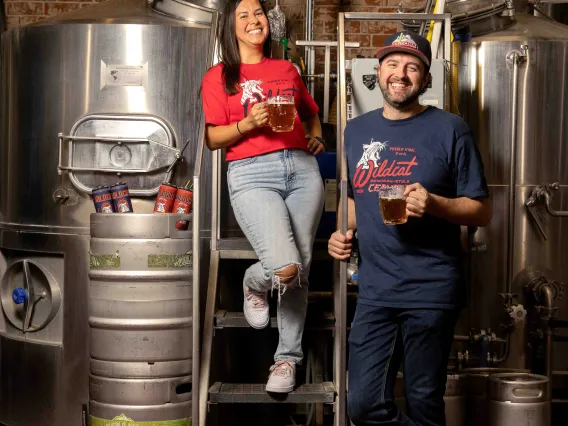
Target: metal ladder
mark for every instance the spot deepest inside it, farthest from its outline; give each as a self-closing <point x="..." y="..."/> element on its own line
<point x="238" y="248"/>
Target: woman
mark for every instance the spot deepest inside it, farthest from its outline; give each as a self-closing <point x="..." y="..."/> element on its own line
<point x="274" y="182"/>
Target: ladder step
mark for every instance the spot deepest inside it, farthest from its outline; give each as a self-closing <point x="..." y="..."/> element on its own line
<point x="223" y="393"/>
<point x="314" y="320"/>
<point x="240" y="248"/>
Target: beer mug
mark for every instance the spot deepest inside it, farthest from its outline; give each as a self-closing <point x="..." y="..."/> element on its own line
<point x="393" y="204"/>
<point x="281" y="113"/>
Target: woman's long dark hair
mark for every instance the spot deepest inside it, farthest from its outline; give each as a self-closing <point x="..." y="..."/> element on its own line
<point x="229" y="48"/>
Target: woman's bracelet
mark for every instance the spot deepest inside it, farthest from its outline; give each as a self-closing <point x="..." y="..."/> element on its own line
<point x="239" y="130"/>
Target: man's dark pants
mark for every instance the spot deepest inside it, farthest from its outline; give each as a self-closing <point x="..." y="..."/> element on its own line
<point x="380" y="339"/>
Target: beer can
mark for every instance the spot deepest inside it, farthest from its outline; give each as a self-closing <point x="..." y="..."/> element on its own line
<point x="102" y="199"/>
<point x="183" y="201"/>
<point x="165" y="198"/>
<point x="121" y="198"/>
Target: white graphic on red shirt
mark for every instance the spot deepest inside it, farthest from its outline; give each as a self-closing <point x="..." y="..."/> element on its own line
<point x="252" y="91"/>
<point x="371" y="152"/>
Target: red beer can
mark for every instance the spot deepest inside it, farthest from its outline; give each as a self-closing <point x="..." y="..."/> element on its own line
<point x="183" y="201"/>
<point x="165" y="198"/>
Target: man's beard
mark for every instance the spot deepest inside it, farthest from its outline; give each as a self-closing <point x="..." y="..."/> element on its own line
<point x="408" y="100"/>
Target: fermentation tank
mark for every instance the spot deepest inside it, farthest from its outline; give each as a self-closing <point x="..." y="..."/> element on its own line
<point x="104" y="94"/>
<point x="513" y="92"/>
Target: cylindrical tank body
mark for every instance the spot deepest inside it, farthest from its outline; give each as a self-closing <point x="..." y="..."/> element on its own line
<point x="84" y="97"/>
<point x="476" y="393"/>
<point x="520" y="127"/>
<point x="518" y="399"/>
<point x="140" y="318"/>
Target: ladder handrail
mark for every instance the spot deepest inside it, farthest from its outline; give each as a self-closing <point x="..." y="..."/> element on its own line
<point x="196" y="312"/>
<point x="340" y="284"/>
<point x="311" y="45"/>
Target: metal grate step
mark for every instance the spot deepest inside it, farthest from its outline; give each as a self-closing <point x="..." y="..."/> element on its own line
<point x="241" y="393"/>
<point x="314" y="320"/>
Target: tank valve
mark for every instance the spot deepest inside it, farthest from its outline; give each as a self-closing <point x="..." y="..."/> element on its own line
<point x="19" y="296"/>
<point x="517" y="313"/>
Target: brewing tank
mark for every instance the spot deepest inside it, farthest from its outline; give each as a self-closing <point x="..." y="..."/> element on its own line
<point x="513" y="94"/>
<point x="103" y="94"/>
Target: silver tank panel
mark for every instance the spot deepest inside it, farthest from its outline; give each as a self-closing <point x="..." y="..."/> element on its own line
<point x="58" y="88"/>
<point x="540" y="122"/>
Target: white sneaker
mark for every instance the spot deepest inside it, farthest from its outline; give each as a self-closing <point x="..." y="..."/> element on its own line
<point x="282" y="377"/>
<point x="255" y="307"/>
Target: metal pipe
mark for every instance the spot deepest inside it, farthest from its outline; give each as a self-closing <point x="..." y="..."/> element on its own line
<point x="460" y="338"/>
<point x="340" y="282"/>
<point x="549" y="209"/>
<point x="200" y="392"/>
<point x="516" y="57"/>
<point x="546" y="296"/>
<point x="327" y="65"/>
<point x="427" y="8"/>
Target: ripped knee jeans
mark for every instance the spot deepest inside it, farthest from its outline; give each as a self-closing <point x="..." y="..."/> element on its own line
<point x="277" y="199"/>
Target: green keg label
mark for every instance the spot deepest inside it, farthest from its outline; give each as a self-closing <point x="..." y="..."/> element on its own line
<point x="105" y="261"/>
<point x="122" y="420"/>
<point x="169" y="260"/>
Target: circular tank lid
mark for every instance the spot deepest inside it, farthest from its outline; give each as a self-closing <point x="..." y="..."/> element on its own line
<point x="528" y="27"/>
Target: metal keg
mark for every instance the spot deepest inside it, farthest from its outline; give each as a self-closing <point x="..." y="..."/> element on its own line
<point x="476" y="392"/>
<point x="140" y="318"/>
<point x="454" y="398"/>
<point x="455" y="401"/>
<point x="518" y="399"/>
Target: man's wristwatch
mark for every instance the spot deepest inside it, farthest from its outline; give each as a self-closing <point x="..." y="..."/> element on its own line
<point x="320" y="140"/>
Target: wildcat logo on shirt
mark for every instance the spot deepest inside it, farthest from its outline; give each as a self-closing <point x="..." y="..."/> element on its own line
<point x="252" y="91"/>
<point x="372" y="173"/>
<point x="371" y="152"/>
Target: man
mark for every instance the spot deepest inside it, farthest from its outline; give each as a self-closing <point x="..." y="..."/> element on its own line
<point x="410" y="275"/>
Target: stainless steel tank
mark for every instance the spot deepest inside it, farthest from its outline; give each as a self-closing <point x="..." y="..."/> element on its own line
<point x="518" y="399"/>
<point x="140" y="318"/>
<point x="514" y="95"/>
<point x="106" y="93"/>
<point x="476" y="393"/>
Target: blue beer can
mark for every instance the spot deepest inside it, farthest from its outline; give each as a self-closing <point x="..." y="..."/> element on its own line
<point x="121" y="198"/>
<point x="102" y="199"/>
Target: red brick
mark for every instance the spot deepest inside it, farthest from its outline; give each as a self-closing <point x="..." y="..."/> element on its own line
<point x="382" y="27"/>
<point x="319" y="27"/>
<point x="326" y="13"/>
<point x="363" y="39"/>
<point x="379" y="40"/>
<point x="293" y="12"/>
<point x="52" y="9"/>
<point x="326" y="3"/>
<point x="24" y="8"/>
<point x="12" y="22"/>
<point x="25" y="20"/>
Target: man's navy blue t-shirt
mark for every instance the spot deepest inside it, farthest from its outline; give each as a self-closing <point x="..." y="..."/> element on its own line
<point x="417" y="264"/>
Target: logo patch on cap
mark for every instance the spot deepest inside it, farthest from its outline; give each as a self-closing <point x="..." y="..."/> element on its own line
<point x="406" y="41"/>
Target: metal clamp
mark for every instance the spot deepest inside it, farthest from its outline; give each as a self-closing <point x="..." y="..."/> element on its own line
<point x="543" y="194"/>
<point x="173" y="154"/>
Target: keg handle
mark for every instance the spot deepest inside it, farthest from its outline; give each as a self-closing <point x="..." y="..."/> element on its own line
<point x="527" y="393"/>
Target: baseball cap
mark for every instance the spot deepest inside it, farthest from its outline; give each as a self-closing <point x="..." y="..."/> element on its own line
<point x="406" y="42"/>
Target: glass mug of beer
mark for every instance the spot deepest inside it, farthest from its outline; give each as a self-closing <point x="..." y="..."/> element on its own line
<point x="393" y="204"/>
<point x="281" y="113"/>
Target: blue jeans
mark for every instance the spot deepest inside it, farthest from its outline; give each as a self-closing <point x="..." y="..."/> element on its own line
<point x="278" y="201"/>
<point x="379" y="340"/>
